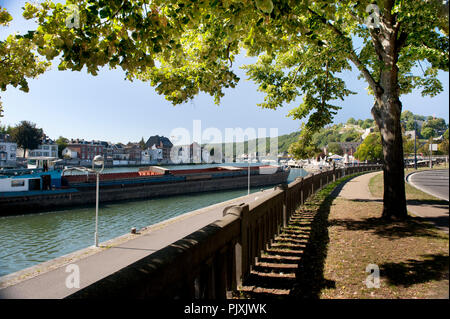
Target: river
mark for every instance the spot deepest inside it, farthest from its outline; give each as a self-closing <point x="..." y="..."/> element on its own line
<point x="27" y="240"/>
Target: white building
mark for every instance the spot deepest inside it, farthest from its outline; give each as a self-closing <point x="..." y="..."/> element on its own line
<point x="8" y="151"/>
<point x="69" y="153"/>
<point x="48" y="148"/>
<point x="145" y="157"/>
<point x="156" y="153"/>
<point x="206" y="156"/>
<point x="367" y="132"/>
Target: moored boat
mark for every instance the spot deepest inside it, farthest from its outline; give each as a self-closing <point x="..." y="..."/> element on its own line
<point x="43" y="190"/>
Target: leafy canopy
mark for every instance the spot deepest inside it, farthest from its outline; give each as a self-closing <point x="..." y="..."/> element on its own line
<point x="370" y="149"/>
<point x="27" y="135"/>
<point x="17" y="59"/>
<point x="183" y="47"/>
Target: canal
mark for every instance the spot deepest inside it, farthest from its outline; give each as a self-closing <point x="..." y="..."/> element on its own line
<point x="27" y="240"/>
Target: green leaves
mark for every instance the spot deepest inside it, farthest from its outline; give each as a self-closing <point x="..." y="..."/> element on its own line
<point x="265" y="6"/>
<point x="184" y="47"/>
<point x="5" y="17"/>
<point x="370" y="149"/>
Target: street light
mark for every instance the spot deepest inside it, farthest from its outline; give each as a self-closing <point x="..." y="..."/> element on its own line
<point x="415" y="145"/>
<point x="248" y="159"/>
<point x="97" y="161"/>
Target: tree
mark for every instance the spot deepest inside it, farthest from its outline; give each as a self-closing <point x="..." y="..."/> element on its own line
<point x="367" y="123"/>
<point x="408" y="146"/>
<point x="142" y="143"/>
<point x="351" y="121"/>
<point x="27" y="136"/>
<point x="406" y="116"/>
<point x="350" y="136"/>
<point x="427" y="132"/>
<point x="335" y="148"/>
<point x="444" y="145"/>
<point x="370" y="149"/>
<point x="62" y="143"/>
<point x="184" y="47"/>
<point x="437" y="125"/>
<point x="17" y="59"/>
<point x="5" y="129"/>
<point x="410" y="125"/>
<point x="303" y="148"/>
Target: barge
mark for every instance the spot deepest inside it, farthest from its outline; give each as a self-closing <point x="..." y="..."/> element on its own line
<point x="41" y="190"/>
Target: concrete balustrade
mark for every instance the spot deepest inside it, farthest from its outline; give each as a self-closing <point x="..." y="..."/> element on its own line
<point x="213" y="261"/>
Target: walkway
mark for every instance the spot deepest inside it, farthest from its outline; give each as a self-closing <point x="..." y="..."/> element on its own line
<point x="358" y="188"/>
<point x="48" y="280"/>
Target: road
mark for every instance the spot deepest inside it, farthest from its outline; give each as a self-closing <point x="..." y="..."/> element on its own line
<point x="433" y="182"/>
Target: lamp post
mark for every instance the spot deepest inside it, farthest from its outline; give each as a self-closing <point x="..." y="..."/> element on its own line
<point x="97" y="161"/>
<point x="415" y="145"/>
<point x="248" y="159"/>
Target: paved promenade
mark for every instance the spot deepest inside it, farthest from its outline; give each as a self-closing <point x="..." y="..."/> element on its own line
<point x="48" y="280"/>
<point x="358" y="188"/>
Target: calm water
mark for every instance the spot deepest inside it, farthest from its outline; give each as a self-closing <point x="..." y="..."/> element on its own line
<point x="26" y="240"/>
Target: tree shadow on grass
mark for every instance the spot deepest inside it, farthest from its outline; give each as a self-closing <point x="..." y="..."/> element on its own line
<point x="412" y="227"/>
<point x="420" y="202"/>
<point x="411" y="272"/>
<point x="310" y="278"/>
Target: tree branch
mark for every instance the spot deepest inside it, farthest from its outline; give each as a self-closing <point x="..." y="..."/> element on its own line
<point x="352" y="55"/>
<point x="326" y="85"/>
<point x="401" y="41"/>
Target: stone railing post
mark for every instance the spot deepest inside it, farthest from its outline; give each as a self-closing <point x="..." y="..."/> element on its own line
<point x="242" y="248"/>
<point x="284" y="188"/>
<point x="300" y="191"/>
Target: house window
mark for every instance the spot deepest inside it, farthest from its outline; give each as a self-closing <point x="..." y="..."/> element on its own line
<point x="18" y="183"/>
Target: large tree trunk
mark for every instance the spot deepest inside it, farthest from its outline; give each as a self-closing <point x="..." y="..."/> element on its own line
<point x="387" y="112"/>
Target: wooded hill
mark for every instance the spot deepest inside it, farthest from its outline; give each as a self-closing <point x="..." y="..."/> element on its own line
<point x="351" y="131"/>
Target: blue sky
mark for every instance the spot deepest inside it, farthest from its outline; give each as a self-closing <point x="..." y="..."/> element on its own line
<point x="107" y="107"/>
